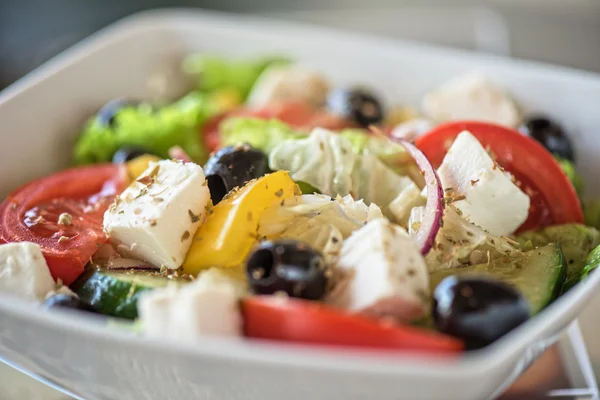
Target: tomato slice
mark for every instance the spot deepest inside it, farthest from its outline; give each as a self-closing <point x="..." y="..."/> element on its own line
<point x="553" y="198"/>
<point x="31" y="214"/>
<point x="274" y="318"/>
<point x="298" y="115"/>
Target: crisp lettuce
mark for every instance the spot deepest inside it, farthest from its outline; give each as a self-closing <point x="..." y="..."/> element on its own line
<point x="592" y="261"/>
<point x="569" y="170"/>
<point x="261" y="134"/>
<point x="392" y="154"/>
<point x="591" y="212"/>
<point x="155" y="129"/>
<point x="213" y="72"/>
<point x="266" y="134"/>
<point x="326" y="160"/>
<point x="318" y="220"/>
<point x="460" y="243"/>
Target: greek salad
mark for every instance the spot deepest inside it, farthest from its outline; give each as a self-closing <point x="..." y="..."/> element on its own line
<point x="268" y="203"/>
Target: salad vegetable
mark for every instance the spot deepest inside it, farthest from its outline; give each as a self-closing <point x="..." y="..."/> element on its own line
<point x="269" y="203"/>
<point x="153" y="128"/>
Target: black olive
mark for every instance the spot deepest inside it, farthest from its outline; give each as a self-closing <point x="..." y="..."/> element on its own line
<point x="356" y="105"/>
<point x="232" y="167"/>
<point x="287" y="266"/>
<point x="478" y="310"/>
<point x="125" y="154"/>
<point x="106" y="115"/>
<point x="68" y="301"/>
<point x="550" y="135"/>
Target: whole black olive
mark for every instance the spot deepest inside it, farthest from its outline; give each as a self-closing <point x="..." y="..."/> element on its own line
<point x="106" y="115"/>
<point x="356" y="105"/>
<point x="478" y="310"/>
<point x="68" y="301"/>
<point x="125" y="154"/>
<point x="232" y="167"/>
<point x="550" y="135"/>
<point x="287" y="266"/>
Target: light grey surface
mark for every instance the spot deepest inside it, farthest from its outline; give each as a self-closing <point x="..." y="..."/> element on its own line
<point x="558" y="31"/>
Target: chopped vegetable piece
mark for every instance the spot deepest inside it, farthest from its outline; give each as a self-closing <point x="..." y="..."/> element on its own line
<point x="230" y="231"/>
<point x="538" y="274"/>
<point x="138" y="165"/>
<point x="262" y="134"/>
<point x="569" y="170"/>
<point x="31" y="213"/>
<point x="218" y="73"/>
<point x="272" y="317"/>
<point x="553" y="199"/>
<point x="434" y="208"/>
<point x="148" y="127"/>
<point x="576" y="242"/>
<point x="116" y="293"/>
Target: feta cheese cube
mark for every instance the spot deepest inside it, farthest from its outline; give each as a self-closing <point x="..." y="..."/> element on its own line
<point x="385" y="273"/>
<point x="471" y="97"/>
<point x="24" y="272"/>
<point x="491" y="199"/>
<point x="156" y="217"/>
<point x="283" y="83"/>
<point x="206" y="307"/>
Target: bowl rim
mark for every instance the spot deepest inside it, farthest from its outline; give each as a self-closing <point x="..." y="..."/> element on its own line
<point x="509" y="348"/>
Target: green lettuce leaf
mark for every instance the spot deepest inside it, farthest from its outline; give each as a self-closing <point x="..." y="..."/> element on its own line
<point x="213" y="72"/>
<point x="318" y="220"/>
<point x="261" y="134"/>
<point x="569" y="170"/>
<point x="592" y="261"/>
<point x="591" y="213"/>
<point x="148" y="127"/>
<point x="363" y="142"/>
<point x="326" y="160"/>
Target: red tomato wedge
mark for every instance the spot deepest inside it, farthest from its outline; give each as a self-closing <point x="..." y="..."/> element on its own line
<point x="553" y="198"/>
<point x="270" y="317"/>
<point x="31" y="214"/>
<point x="299" y="115"/>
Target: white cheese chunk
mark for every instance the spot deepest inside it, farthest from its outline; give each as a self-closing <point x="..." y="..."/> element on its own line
<point x="471" y="97"/>
<point x="386" y="274"/>
<point x="206" y="307"/>
<point x="24" y="272"/>
<point x="492" y="201"/>
<point x="282" y="83"/>
<point x="156" y="217"/>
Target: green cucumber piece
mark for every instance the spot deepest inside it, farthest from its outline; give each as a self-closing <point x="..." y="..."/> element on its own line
<point x="538" y="274"/>
<point x="576" y="242"/>
<point x="116" y="293"/>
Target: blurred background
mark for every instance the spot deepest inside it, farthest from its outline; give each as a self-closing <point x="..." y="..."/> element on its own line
<point x="563" y="32"/>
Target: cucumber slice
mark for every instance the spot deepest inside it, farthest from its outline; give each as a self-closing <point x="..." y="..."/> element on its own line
<point x="576" y="242"/>
<point x="538" y="274"/>
<point x="116" y="293"/>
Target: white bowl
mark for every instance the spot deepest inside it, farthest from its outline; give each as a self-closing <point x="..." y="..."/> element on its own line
<point x="139" y="57"/>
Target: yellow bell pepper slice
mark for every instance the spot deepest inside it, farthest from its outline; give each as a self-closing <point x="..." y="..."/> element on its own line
<point x="139" y="164"/>
<point x="230" y="232"/>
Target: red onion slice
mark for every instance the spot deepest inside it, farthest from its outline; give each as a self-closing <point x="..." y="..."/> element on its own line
<point x="434" y="207"/>
<point x="177" y="153"/>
